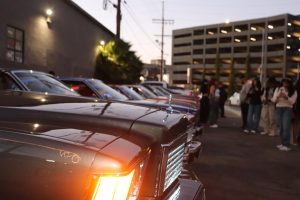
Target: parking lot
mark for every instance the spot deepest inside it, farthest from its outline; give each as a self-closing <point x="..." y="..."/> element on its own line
<point x="237" y="166"/>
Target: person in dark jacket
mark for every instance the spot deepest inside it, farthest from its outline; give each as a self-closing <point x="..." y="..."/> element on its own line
<point x="255" y="105"/>
<point x="204" y="102"/>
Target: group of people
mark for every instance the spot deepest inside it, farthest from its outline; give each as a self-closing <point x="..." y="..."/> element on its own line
<point x="276" y="104"/>
<point x="213" y="98"/>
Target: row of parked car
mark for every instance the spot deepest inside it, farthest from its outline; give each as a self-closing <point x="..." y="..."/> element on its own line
<point x="78" y="138"/>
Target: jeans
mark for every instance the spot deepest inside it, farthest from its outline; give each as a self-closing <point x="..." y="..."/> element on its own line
<point x="213" y="112"/>
<point x="244" y="112"/>
<point x="253" y="117"/>
<point x="284" y="115"/>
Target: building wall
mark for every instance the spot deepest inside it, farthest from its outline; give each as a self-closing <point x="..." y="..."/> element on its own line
<point x="68" y="46"/>
<point x="197" y="47"/>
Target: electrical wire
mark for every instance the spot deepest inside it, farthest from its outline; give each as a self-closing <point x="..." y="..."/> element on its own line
<point x="134" y="18"/>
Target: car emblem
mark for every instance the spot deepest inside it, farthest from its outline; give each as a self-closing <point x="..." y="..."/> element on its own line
<point x="170" y="109"/>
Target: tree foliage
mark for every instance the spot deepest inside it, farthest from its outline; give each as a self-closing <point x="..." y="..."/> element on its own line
<point x="117" y="64"/>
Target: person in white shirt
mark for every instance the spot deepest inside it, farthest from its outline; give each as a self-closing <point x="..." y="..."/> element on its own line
<point x="285" y="97"/>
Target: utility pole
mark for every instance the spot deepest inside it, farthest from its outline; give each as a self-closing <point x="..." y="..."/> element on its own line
<point x="119" y="17"/>
<point x="163" y="21"/>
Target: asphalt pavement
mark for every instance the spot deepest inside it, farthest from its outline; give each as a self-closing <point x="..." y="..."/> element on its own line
<point x="238" y="166"/>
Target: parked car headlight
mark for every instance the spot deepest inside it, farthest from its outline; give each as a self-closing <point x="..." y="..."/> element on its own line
<point x="119" y="186"/>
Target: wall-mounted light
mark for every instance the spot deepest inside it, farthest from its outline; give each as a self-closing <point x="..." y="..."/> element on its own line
<point x="238" y="30"/>
<point x="237" y="40"/>
<point x="223" y="31"/>
<point x="289" y="35"/>
<point x="270" y="26"/>
<point x="289" y="24"/>
<point x="49" y="13"/>
<point x="288" y="47"/>
<point x="253" y="39"/>
<point x="102" y="42"/>
<point x="270" y="37"/>
<point x="253" y="28"/>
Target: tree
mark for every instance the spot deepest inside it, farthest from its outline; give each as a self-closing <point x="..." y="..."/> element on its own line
<point x="116" y="63"/>
<point x="218" y="67"/>
<point x="232" y="81"/>
<point x="248" y="73"/>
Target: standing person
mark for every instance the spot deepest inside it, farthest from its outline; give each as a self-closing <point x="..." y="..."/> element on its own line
<point x="223" y="98"/>
<point x="297" y="112"/>
<point x="255" y="106"/>
<point x="268" y="114"/>
<point x="204" y="102"/>
<point x="285" y="97"/>
<point x="246" y="85"/>
<point x="214" y="96"/>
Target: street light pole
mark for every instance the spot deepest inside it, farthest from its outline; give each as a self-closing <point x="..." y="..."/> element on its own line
<point x="262" y="65"/>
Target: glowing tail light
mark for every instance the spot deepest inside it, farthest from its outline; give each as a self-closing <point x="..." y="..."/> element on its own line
<point x="113" y="187"/>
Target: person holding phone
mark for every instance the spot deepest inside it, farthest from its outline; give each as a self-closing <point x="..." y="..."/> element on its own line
<point x="285" y="97"/>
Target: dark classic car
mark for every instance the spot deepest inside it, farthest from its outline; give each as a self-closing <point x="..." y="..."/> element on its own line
<point x="29" y="80"/>
<point x="59" y="147"/>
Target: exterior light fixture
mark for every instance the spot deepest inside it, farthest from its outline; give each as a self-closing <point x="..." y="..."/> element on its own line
<point x="253" y="39"/>
<point x="299" y="50"/>
<point x="289" y="24"/>
<point x="237" y="40"/>
<point x="270" y="26"/>
<point x="223" y="31"/>
<point x="270" y="37"/>
<point x="102" y="42"/>
<point x="238" y="30"/>
<point x="211" y="33"/>
<point x="289" y="35"/>
<point x="227" y="21"/>
<point x="49" y="13"/>
<point x="253" y="28"/>
<point x="288" y="47"/>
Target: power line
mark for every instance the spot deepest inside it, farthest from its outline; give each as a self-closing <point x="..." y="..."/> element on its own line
<point x="134" y="18"/>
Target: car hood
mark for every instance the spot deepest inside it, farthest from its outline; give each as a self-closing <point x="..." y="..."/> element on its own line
<point x="164" y="105"/>
<point x="94" y="124"/>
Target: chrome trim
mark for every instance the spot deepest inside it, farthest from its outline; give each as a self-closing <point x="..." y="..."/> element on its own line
<point x="172" y="162"/>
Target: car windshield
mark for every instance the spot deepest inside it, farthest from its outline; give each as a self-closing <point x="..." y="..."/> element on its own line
<point x="105" y="91"/>
<point x="39" y="82"/>
<point x="143" y="91"/>
<point x="130" y="93"/>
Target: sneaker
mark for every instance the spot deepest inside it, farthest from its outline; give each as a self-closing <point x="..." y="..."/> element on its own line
<point x="253" y="131"/>
<point x="284" y="148"/>
<point x="279" y="146"/>
<point x="264" y="133"/>
<point x="214" y="126"/>
<point x="246" y="131"/>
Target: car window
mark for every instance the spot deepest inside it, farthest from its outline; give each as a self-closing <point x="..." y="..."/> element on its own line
<point x="81" y="88"/>
<point x="105" y="91"/>
<point x="39" y="82"/>
<point x="7" y="83"/>
<point x="143" y="92"/>
<point x="130" y="93"/>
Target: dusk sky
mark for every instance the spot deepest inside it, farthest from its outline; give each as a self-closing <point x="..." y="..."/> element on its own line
<point x="138" y="28"/>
